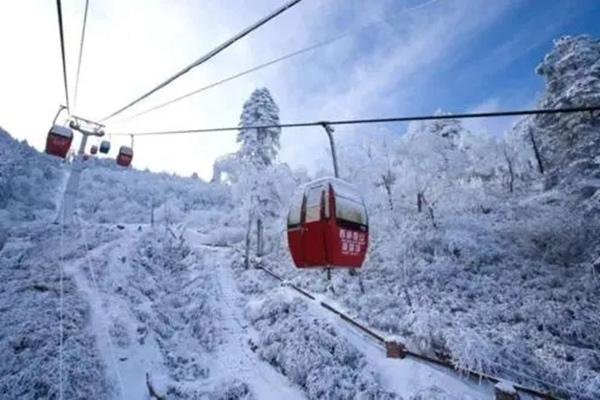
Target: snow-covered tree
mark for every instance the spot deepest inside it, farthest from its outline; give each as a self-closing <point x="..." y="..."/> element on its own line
<point x="434" y="157"/>
<point x="259" y="146"/>
<point x="568" y="144"/>
<point x="256" y="171"/>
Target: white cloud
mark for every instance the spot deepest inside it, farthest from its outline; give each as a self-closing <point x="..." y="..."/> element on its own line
<point x="133" y="45"/>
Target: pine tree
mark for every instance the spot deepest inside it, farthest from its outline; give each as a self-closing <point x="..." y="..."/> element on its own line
<point x="259" y="145"/>
<point x="257" y="154"/>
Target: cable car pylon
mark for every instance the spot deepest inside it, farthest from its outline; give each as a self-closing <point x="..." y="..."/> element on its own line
<point x="87" y="128"/>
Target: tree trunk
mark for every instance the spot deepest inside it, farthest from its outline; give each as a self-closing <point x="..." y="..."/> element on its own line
<point x="536" y="151"/>
<point x="430" y="209"/>
<point x="511" y="172"/>
<point x="419" y="201"/>
<point x="387" y="184"/>
<point x="152" y="214"/>
<point x="247" y="250"/>
<point x="259" y="238"/>
<point x="361" y="284"/>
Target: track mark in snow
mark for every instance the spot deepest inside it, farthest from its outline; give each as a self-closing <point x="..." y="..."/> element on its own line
<point x="234" y="358"/>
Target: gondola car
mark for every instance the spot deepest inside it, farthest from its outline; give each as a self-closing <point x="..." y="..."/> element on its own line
<point x="328" y="226"/>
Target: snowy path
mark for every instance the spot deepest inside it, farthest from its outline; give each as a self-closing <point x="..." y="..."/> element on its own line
<point x="406" y="377"/>
<point x="126" y="366"/>
<point x="99" y="323"/>
<point x="234" y="357"/>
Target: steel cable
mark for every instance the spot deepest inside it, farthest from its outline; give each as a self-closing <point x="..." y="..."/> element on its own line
<point x="85" y="14"/>
<point x="511" y="113"/>
<point x="62" y="49"/>
<point x="205" y="57"/>
<point x="277" y="60"/>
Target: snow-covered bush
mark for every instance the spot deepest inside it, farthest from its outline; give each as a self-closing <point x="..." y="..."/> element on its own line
<point x="168" y="310"/>
<point x="108" y="193"/>
<point x="29" y="181"/>
<point x="311" y="353"/>
<point x="30" y="332"/>
<point x="231" y="390"/>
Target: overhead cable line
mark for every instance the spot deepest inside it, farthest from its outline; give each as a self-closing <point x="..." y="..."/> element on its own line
<point x="62" y="50"/>
<point x="566" y="110"/>
<point x="85" y="14"/>
<point x="277" y="60"/>
<point x="206" y="57"/>
<point x="232" y="77"/>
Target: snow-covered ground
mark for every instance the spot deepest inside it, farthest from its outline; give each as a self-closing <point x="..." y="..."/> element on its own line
<point x="156" y="303"/>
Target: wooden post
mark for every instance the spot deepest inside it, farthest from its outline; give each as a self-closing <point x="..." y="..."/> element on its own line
<point x="395" y="349"/>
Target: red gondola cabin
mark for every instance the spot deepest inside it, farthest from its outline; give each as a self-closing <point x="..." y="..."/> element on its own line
<point x="58" y="141"/>
<point x="328" y="226"/>
<point x="125" y="156"/>
<point x="94" y="149"/>
<point x="104" y="146"/>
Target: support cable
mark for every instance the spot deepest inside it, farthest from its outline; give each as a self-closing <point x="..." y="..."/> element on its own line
<point x="512" y="113"/>
<point x="277" y="60"/>
<point x="62" y="49"/>
<point x="60" y="307"/>
<point x="206" y="57"/>
<point x="85" y="14"/>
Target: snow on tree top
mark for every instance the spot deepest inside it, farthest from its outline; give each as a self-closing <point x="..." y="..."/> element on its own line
<point x="572" y="74"/>
<point x="259" y="146"/>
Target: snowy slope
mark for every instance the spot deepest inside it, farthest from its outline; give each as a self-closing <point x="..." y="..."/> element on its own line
<point x="152" y="302"/>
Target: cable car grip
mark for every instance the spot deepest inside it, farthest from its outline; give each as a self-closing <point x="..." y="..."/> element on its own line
<point x="60" y="109"/>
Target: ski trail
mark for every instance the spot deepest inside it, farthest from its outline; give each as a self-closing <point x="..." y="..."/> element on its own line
<point x="234" y="356"/>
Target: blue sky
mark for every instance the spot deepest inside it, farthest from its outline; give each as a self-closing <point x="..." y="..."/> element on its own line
<point x="499" y="61"/>
<point x="423" y="55"/>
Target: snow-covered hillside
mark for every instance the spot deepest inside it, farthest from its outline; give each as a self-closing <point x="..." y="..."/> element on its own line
<point x="484" y="252"/>
<point x="155" y="305"/>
